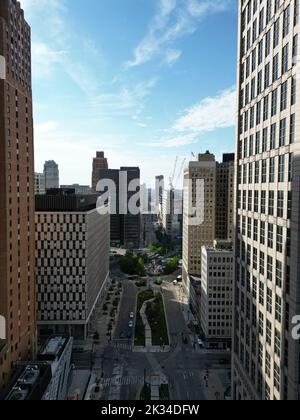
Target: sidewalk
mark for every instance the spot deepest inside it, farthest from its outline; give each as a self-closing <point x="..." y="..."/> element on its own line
<point x="215" y="386"/>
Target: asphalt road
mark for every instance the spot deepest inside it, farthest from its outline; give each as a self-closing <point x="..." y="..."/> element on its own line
<point x="185" y="366"/>
<point x="127" y="306"/>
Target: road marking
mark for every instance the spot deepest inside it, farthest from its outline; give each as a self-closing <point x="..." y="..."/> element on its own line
<point x="122" y="381"/>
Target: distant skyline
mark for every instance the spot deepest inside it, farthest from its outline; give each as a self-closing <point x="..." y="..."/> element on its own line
<point x="143" y="80"/>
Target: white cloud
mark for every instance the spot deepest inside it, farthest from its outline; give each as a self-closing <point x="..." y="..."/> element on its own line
<point x="44" y="59"/>
<point x="45" y="128"/>
<point x="173" y="20"/>
<point x="172" y="56"/>
<point x="176" y="141"/>
<point x="210" y="114"/>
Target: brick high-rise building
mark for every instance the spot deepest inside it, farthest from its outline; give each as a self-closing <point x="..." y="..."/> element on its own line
<point x="99" y="163"/>
<point x="17" y="259"/>
<point x="267" y="287"/>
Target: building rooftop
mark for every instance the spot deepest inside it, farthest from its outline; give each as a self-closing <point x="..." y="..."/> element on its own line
<point x="53" y="348"/>
<point x="29" y="382"/>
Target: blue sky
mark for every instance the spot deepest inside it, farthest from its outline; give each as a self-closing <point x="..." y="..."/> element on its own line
<point x="143" y="80"/>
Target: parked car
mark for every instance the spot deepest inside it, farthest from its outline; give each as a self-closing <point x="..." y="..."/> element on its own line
<point x="224" y="362"/>
<point x="131" y="315"/>
<point x="130" y="324"/>
<point x="200" y="343"/>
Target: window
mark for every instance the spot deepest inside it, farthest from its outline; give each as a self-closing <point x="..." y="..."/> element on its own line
<point x="293" y="91"/>
<point x="273" y="136"/>
<point x="286" y="21"/>
<point x="278" y="273"/>
<point x="279" y="239"/>
<point x="292" y="128"/>
<point x="280" y="203"/>
<point x="269" y="268"/>
<point x="285" y="59"/>
<point x="266" y="108"/>
<point x="270" y="238"/>
<point x="271" y="203"/>
<point x="276" y="33"/>
<point x="282" y="132"/>
<point x="281" y="168"/>
<point x="275" y="67"/>
<point x="269" y="301"/>
<point x="278" y="308"/>
<point x="264" y="172"/>
<point x="274" y="103"/>
<point x="284" y="91"/>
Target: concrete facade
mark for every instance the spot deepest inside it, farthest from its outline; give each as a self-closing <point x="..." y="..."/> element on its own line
<point x="72" y="268"/>
<point x="267" y="246"/>
<point x="39" y="184"/>
<point x="217" y="294"/>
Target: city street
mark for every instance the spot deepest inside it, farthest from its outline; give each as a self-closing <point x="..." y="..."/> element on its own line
<point x="192" y="373"/>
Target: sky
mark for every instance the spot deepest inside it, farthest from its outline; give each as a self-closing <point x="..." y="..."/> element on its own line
<point x="145" y="81"/>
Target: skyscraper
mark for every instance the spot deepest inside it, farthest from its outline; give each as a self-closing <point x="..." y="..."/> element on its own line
<point x="267" y="287"/>
<point x="125" y="227"/>
<point x="197" y="235"/>
<point x="225" y="197"/>
<point x="159" y="191"/>
<point x="51" y="174"/>
<point x="99" y="163"/>
<point x="17" y="263"/>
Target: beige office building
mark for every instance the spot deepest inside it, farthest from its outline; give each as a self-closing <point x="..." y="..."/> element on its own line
<point x="267" y="287"/>
<point x="196" y="235"/>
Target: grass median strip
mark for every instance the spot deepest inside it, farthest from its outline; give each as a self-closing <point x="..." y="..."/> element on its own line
<point x="139" y="339"/>
<point x="156" y="317"/>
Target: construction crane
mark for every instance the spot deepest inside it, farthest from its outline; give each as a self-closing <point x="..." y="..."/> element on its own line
<point x="180" y="172"/>
<point x="173" y="174"/>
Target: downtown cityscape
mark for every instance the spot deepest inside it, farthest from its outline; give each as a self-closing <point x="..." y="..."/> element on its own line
<point x="141" y="264"/>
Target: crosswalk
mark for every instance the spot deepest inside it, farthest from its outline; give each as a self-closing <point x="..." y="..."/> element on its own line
<point x="118" y="345"/>
<point x="122" y="381"/>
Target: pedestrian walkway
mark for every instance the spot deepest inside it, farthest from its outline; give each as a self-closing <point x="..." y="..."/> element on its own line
<point x="115" y="384"/>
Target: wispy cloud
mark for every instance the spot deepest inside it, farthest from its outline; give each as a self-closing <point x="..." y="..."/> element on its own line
<point x="172" y="56"/>
<point x="210" y="114"/>
<point x="174" y="19"/>
<point x="172" y="142"/>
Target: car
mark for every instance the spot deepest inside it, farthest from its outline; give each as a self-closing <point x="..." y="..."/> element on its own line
<point x="129" y="334"/>
<point x="224" y="362"/>
<point x="200" y="343"/>
<point x="131" y="315"/>
<point x="130" y="324"/>
<point x="122" y="335"/>
<point x="175" y="282"/>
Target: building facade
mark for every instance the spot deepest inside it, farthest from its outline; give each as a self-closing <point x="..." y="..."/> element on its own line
<point x="72" y="262"/>
<point x="225" y="198"/>
<point x="99" y="163"/>
<point x="17" y="265"/>
<point x="217" y="294"/>
<point x="267" y="287"/>
<point x="39" y="184"/>
<point x="203" y="233"/>
<point x="125" y="227"/>
<point x="51" y="174"/>
<point x="79" y="189"/>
